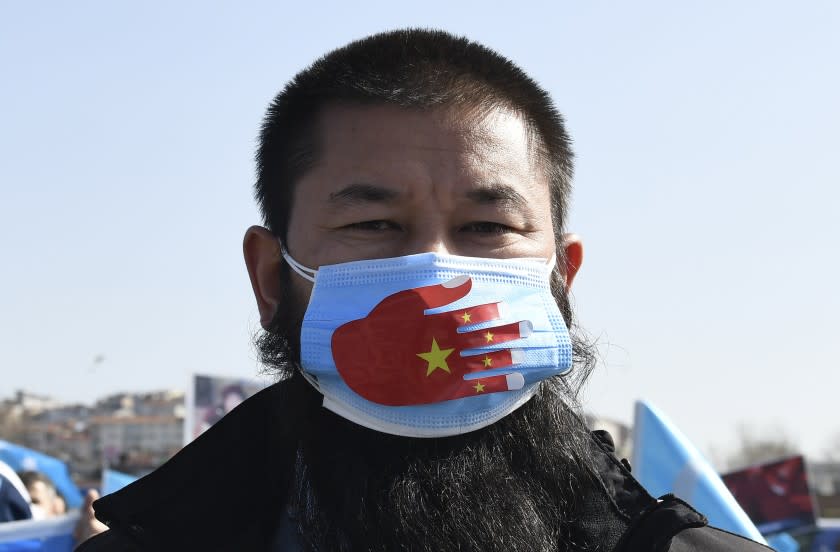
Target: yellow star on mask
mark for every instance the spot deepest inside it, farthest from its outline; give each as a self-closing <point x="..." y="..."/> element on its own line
<point x="487" y="361"/>
<point x="436" y="358"/>
<point x="467" y="317"/>
<point x="479" y="388"/>
<point x="489" y="337"/>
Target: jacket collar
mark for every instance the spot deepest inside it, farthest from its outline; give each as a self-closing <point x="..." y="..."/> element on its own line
<point x="205" y="486"/>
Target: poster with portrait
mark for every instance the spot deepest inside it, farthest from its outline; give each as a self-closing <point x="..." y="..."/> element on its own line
<point x="775" y="496"/>
<point x="211" y="397"/>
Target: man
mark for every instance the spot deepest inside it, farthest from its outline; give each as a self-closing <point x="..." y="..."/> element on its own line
<point x="46" y="502"/>
<point x="428" y="380"/>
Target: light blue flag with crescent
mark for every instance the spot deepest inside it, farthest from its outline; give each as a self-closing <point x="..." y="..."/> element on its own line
<point x="665" y="461"/>
<point x="43" y="535"/>
<point x="22" y="459"/>
<point x="783" y="542"/>
<point x="113" y="481"/>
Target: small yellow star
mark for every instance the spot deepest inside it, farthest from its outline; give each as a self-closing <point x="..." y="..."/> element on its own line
<point x="479" y="388"/>
<point x="488" y="336"/>
<point x="436" y="358"/>
<point x="487" y="361"/>
<point x="466" y="316"/>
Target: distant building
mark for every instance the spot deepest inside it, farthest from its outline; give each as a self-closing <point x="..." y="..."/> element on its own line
<point x="69" y="440"/>
<point x="160" y="403"/>
<point x="119" y="404"/>
<point x="61" y="414"/>
<point x="155" y="403"/>
<point x="136" y="431"/>
<point x="30" y="404"/>
<point x="144" y="441"/>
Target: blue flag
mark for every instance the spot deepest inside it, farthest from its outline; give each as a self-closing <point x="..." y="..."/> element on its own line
<point x="783" y="542"/>
<point x="827" y="536"/>
<point x="664" y="461"/>
<point x="113" y="481"/>
<point x="21" y="459"/>
<point x="43" y="535"/>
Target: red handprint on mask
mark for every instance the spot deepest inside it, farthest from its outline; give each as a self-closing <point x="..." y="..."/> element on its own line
<point x="398" y="355"/>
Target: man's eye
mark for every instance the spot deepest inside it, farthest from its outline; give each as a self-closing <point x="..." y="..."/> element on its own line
<point x="486" y="228"/>
<point x="374" y="225"/>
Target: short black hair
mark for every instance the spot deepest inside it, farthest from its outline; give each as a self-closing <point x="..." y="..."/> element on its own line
<point x="413" y="69"/>
<point x="30" y="477"/>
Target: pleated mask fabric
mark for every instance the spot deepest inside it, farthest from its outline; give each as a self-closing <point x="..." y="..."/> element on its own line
<point x="431" y="345"/>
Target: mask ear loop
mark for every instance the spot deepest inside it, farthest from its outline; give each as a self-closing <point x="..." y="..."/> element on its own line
<point x="552" y="262"/>
<point x="304" y="272"/>
<point x="307" y="274"/>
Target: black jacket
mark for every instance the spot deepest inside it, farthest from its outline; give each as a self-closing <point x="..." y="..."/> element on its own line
<point x="205" y="498"/>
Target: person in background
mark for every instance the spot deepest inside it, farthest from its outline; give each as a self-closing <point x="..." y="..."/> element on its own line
<point x="46" y="502"/>
<point x="231" y="396"/>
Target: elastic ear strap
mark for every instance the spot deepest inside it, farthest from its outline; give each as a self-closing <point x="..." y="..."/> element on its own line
<point x="552" y="262"/>
<point x="304" y="272"/>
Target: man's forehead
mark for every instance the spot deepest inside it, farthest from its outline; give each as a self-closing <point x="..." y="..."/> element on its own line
<point x="492" y="126"/>
<point x="494" y="142"/>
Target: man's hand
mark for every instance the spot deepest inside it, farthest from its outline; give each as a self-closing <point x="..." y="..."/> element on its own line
<point x="88" y="526"/>
<point x="398" y="355"/>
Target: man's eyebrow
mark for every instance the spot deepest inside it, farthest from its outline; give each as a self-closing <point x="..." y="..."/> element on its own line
<point x="363" y="192"/>
<point x="497" y="193"/>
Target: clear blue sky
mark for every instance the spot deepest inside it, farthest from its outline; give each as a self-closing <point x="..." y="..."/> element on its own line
<point x="707" y="137"/>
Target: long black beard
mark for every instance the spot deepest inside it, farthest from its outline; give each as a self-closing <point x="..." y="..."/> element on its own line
<point x="518" y="484"/>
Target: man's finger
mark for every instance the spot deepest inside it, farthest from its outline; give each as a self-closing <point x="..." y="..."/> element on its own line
<point x="499" y="334"/>
<point x="492" y="384"/>
<point x="442" y="294"/>
<point x="473" y="315"/>
<point x="88" y="525"/>
<point x="492" y="360"/>
<point x="87" y="506"/>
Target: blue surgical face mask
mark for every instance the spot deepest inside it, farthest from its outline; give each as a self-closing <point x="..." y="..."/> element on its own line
<point x="431" y="345"/>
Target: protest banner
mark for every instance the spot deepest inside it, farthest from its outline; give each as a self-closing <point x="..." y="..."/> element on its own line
<point x="211" y="397"/>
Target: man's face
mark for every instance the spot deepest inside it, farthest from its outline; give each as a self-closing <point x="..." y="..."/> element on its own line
<point x="45" y="498"/>
<point x="392" y="182"/>
<point x="231" y="401"/>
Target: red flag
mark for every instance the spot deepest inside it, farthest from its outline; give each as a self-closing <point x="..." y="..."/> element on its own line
<point x="398" y="355"/>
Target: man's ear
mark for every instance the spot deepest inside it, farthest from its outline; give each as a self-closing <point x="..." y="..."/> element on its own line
<point x="573" y="247"/>
<point x="263" y="259"/>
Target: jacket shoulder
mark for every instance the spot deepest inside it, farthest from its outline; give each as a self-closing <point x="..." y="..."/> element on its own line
<point x="204" y="497"/>
<point x="111" y="540"/>
<point x="713" y="539"/>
